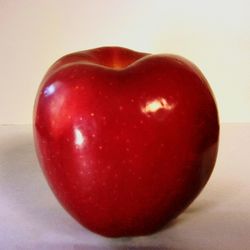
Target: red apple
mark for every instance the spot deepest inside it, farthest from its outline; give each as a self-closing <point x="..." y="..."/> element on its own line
<point x="126" y="140"/>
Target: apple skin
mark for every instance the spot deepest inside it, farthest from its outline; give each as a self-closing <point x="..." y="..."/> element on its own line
<point x="126" y="140"/>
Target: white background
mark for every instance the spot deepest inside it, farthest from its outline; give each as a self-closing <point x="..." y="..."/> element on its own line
<point x="213" y="34"/>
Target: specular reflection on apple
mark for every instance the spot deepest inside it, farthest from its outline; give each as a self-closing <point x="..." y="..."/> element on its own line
<point x="50" y="89"/>
<point x="156" y="105"/>
<point x="79" y="138"/>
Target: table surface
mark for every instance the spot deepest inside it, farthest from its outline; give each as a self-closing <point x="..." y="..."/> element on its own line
<point x="31" y="217"/>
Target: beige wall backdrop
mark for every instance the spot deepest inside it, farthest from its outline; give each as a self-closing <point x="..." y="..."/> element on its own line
<point x="213" y="34"/>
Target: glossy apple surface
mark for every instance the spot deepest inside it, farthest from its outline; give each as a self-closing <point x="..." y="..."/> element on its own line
<point x="126" y="140"/>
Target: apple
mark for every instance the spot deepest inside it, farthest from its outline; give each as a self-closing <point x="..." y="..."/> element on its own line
<point x="126" y="140"/>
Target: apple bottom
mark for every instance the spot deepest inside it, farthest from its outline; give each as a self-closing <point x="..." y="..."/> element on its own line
<point x="141" y="217"/>
<point x="140" y="226"/>
<point x="137" y="226"/>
